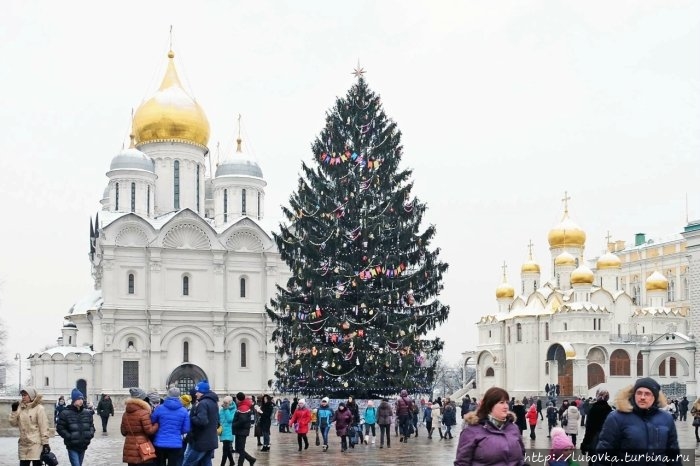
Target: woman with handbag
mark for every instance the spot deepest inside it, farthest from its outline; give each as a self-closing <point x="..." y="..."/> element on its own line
<point x="695" y="411"/>
<point x="301" y="420"/>
<point x="137" y="429"/>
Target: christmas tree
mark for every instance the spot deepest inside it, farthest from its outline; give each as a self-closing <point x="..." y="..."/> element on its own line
<point x="363" y="294"/>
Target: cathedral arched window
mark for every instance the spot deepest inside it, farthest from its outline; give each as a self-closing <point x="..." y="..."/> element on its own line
<point x="662" y="368"/>
<point x="619" y="363"/>
<point x="546" y="331"/>
<point x="509" y="334"/>
<point x="685" y="288"/>
<point x="671" y="290"/>
<point x="519" y="332"/>
<point x="489" y="372"/>
<point x="243" y="201"/>
<point x="186" y="351"/>
<point x="259" y="205"/>
<point x="148" y="200"/>
<point x="672" y="366"/>
<point x="185" y="285"/>
<point x="242" y="284"/>
<point x="116" y="196"/>
<point x="197" y="188"/>
<point x="566" y="326"/>
<point x="133" y="197"/>
<point x="244" y="354"/>
<point x="546" y="368"/>
<point x="176" y="184"/>
<point x="130" y="288"/>
<point x="640" y="364"/>
<point x="225" y="205"/>
<point x="534" y="286"/>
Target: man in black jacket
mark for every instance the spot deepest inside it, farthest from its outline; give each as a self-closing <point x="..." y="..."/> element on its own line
<point x="204" y="418"/>
<point x="76" y="427"/>
<point x="105" y="409"/>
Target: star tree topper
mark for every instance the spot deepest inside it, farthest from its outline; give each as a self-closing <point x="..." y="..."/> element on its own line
<point x="358" y="71"/>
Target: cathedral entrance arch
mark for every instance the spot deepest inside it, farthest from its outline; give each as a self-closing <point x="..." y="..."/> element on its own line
<point x="596" y="375"/>
<point x="185" y="377"/>
<point x="562" y="367"/>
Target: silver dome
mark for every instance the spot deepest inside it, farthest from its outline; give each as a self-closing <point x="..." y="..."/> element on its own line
<point x="132" y="159"/>
<point x="239" y="164"/>
<point x="105" y="194"/>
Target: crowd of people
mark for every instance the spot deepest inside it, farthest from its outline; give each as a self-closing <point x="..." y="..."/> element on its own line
<point x="186" y="429"/>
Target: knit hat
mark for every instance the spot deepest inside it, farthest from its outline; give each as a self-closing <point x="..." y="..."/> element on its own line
<point x="153" y="398"/>
<point x="202" y="386"/>
<point x="186" y="400"/>
<point x="560" y="441"/>
<point x="651" y="384"/>
<point x="227" y="401"/>
<point x="370" y="403"/>
<point x="174" y="392"/>
<point x="136" y="392"/>
<point x="324" y="399"/>
<point x="302" y="401"/>
<point x="76" y="395"/>
<point x="602" y="394"/>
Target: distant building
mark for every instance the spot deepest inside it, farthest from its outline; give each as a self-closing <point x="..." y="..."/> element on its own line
<point x="626" y="317"/>
<point x="183" y="266"/>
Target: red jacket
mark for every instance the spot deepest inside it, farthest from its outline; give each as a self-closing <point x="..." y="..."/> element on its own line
<point x="532" y="416"/>
<point x="303" y="417"/>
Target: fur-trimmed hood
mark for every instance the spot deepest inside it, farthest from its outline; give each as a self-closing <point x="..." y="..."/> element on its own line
<point x="133" y="404"/>
<point x="35" y="398"/>
<point x="623" y="399"/>
<point x="472" y="419"/>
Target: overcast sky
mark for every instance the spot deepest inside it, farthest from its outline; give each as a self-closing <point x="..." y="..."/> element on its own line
<point x="503" y="106"/>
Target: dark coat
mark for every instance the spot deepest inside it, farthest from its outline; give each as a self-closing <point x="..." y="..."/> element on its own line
<point x="242" y="420"/>
<point x="384" y="413"/>
<point x="449" y="416"/>
<point x="76" y="427"/>
<point x="105" y="408"/>
<point x="631" y="430"/>
<point x="465" y="406"/>
<point x="482" y="444"/>
<point x="343" y="420"/>
<point x="173" y="422"/>
<point x="204" y="419"/>
<point x="285" y="412"/>
<point x="597" y="414"/>
<point x="137" y="428"/>
<point x="266" y="416"/>
<point x="355" y="410"/>
<point x="519" y="411"/>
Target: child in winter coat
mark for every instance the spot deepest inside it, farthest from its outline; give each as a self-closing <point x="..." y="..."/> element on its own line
<point x="370" y="421"/>
<point x="532" y="420"/>
<point x="301" y="418"/>
<point x="562" y="449"/>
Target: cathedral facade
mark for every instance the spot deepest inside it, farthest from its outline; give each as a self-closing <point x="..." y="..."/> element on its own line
<point x="182" y="263"/>
<point x="586" y="327"/>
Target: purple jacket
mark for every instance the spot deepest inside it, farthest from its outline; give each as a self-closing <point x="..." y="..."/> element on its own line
<point x="482" y="444"/>
<point x="343" y="420"/>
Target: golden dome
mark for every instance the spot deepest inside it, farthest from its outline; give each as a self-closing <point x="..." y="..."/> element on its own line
<point x="504" y="290"/>
<point x="530" y="267"/>
<point x="608" y="261"/>
<point x="171" y="114"/>
<point x="565" y="260"/>
<point x="566" y="234"/>
<point x="582" y="275"/>
<point x="656" y="282"/>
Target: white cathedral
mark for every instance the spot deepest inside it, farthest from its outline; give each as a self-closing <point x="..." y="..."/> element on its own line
<point x="182" y="265"/>
<point x="582" y="328"/>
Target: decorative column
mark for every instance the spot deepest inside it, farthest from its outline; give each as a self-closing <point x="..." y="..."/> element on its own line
<point x="157" y="379"/>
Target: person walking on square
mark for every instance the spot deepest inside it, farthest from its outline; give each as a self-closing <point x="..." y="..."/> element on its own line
<point x="105" y="409"/>
<point x="343" y="422"/>
<point x="539" y="409"/>
<point x="532" y="420"/>
<point x="29" y="416"/>
<point x="597" y="414"/>
<point x="572" y="417"/>
<point x="60" y="406"/>
<point x="449" y="419"/>
<point x="519" y="411"/>
<point x="562" y="450"/>
<point x="173" y="422"/>
<point x="370" y="421"/>
<point x="136" y="426"/>
<point x="241" y="428"/>
<point x="683" y="409"/>
<point x="285" y="413"/>
<point x="302" y="419"/>
<point x="428" y="418"/>
<point x="325" y="418"/>
<point x="226" y="414"/>
<point x="695" y="411"/>
<point x="436" y="415"/>
<point x="76" y="427"/>
<point x="491" y="437"/>
<point x="552" y="415"/>
<point x="639" y="425"/>
<point x="384" y="415"/>
<point x="403" y="414"/>
<point x="203" y="439"/>
<point x="267" y="407"/>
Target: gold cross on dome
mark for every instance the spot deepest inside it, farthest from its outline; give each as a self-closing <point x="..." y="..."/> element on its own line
<point x="504" y="267"/>
<point x="566" y="200"/>
<point x="608" y="237"/>
<point x="529" y="246"/>
<point x="359" y="71"/>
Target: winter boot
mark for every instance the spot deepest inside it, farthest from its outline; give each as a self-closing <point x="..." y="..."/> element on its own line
<point x="373" y="438"/>
<point x="442" y="437"/>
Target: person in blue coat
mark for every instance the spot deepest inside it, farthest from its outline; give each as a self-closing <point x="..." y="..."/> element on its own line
<point x="285" y="414"/>
<point x="226" y="413"/>
<point x="174" y="422"/>
<point x="370" y="421"/>
<point x="639" y="432"/>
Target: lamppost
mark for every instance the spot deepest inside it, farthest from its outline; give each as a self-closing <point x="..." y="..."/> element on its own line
<point x="18" y="358"/>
